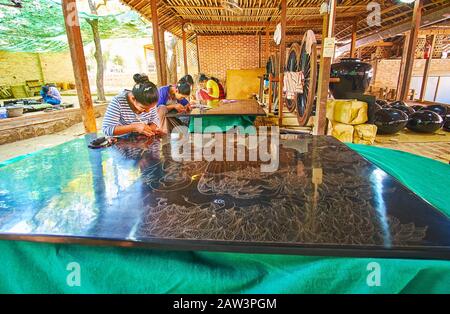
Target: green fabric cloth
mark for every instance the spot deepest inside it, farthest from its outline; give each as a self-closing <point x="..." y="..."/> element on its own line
<point x="428" y="178"/>
<point x="42" y="267"/>
<point x="210" y="124"/>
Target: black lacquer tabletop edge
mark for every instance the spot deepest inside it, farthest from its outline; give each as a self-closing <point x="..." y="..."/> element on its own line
<point x="344" y="251"/>
<point x="410" y="252"/>
<point x="441" y="213"/>
<point x="172" y="115"/>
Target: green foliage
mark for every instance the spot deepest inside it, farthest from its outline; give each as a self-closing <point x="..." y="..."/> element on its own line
<point x="39" y="27"/>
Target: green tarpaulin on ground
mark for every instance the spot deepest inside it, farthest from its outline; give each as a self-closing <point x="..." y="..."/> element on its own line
<point x="50" y="268"/>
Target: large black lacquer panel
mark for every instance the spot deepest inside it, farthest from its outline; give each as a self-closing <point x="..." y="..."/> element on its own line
<point x="322" y="199"/>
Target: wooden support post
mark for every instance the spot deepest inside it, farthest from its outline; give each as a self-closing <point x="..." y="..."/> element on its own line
<point x="259" y="50"/>
<point x="282" y="61"/>
<point x="185" y="52"/>
<point x="353" y="43"/>
<point x="426" y="71"/>
<point x="160" y="69"/>
<point x="402" y="64"/>
<point x="162" y="47"/>
<point x="437" y="89"/>
<point x="411" y="48"/>
<point x="198" y="54"/>
<point x="320" y="122"/>
<point x="270" y="92"/>
<point x="267" y="44"/>
<point x="75" y="42"/>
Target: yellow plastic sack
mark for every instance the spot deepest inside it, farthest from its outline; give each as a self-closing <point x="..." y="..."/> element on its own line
<point x="343" y="132"/>
<point x="348" y="111"/>
<point x="365" y="134"/>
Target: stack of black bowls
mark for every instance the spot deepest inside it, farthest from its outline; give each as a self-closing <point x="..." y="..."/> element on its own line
<point x="393" y="117"/>
<point x="428" y="119"/>
<point x="389" y="120"/>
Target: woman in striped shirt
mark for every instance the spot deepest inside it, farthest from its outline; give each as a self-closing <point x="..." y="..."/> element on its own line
<point x="134" y="111"/>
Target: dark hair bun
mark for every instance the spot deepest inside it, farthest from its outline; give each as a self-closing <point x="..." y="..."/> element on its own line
<point x="202" y="78"/>
<point x="145" y="91"/>
<point x="140" y="78"/>
<point x="184" y="88"/>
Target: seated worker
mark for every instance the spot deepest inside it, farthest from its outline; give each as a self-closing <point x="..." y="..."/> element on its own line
<point x="187" y="79"/>
<point x="209" y="90"/>
<point x="134" y="111"/>
<point x="173" y="98"/>
<point x="221" y="89"/>
<point x="50" y="95"/>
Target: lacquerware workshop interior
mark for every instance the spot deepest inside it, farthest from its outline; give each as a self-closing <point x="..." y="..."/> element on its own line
<point x="224" y="147"/>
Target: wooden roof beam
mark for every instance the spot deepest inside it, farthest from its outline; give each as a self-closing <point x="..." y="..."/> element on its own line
<point x="378" y="44"/>
<point x="392" y="17"/>
<point x="435" y="31"/>
<point x="310" y="22"/>
<point x="317" y="15"/>
<point x="429" y="18"/>
<point x="385" y="11"/>
<point x="200" y="7"/>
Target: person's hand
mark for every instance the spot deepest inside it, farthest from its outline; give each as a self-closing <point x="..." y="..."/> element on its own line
<point x="180" y="108"/>
<point x="143" y="128"/>
<point x="188" y="107"/>
<point x="155" y="129"/>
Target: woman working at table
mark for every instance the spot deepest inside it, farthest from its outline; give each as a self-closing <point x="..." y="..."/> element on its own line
<point x="209" y="90"/>
<point x="221" y="89"/>
<point x="134" y="111"/>
<point x="173" y="98"/>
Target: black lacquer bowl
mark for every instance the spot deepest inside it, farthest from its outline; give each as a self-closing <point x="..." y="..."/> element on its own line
<point x="439" y="109"/>
<point x="398" y="102"/>
<point x="424" y="121"/>
<point x="390" y="121"/>
<point x="382" y="103"/>
<point x="446" y="126"/>
<point x="354" y="77"/>
<point x="377" y="107"/>
<point x="418" y="107"/>
<point x="400" y="105"/>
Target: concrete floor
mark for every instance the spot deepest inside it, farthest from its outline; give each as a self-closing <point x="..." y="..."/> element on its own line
<point x="435" y="150"/>
<point x="30" y="145"/>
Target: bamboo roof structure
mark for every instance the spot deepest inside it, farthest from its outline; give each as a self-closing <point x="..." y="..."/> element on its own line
<point x="210" y="17"/>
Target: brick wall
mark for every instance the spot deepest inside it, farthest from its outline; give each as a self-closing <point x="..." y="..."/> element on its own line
<point x="273" y="48"/>
<point x="387" y="71"/>
<point x="219" y="53"/>
<point x="17" y="67"/>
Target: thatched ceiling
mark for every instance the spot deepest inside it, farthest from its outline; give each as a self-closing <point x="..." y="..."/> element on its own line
<point x="209" y="17"/>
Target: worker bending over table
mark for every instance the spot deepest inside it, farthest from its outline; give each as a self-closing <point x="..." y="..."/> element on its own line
<point x="174" y="98"/>
<point x="50" y="95"/>
<point x="134" y="111"/>
<point x="210" y="88"/>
